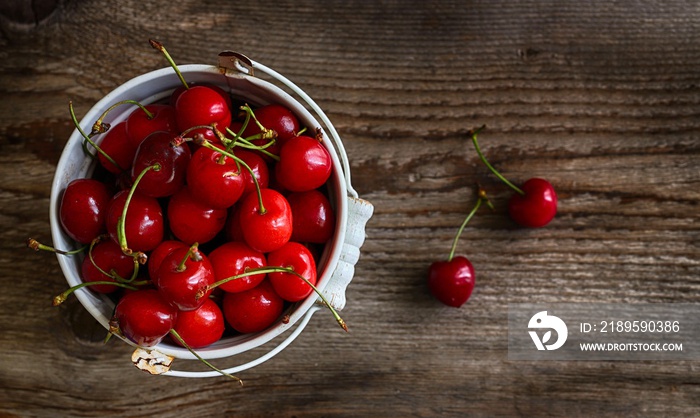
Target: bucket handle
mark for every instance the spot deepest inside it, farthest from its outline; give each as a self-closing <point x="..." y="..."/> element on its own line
<point x="267" y="356"/>
<point x="234" y="60"/>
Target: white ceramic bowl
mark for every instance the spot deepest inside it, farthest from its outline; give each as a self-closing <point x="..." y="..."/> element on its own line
<point x="336" y="266"/>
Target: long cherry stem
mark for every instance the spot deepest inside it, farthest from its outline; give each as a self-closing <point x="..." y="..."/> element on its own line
<point x="266" y="270"/>
<point x="37" y="246"/>
<point x="87" y="138"/>
<point x="160" y="47"/>
<point x="179" y="338"/>
<point x="482" y="198"/>
<point x="98" y="127"/>
<point x="63" y="296"/>
<point x="474" y="134"/>
<point x="121" y="224"/>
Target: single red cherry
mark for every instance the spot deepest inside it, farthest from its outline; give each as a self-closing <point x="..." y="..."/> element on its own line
<point x="155" y="258"/>
<point x="269" y="228"/>
<point x="253" y="310"/>
<point x="191" y="221"/>
<point x="215" y="180"/>
<point x="536" y="207"/>
<point x="83" y="209"/>
<point x="106" y="257"/>
<point x="157" y="149"/>
<point x="234" y="258"/>
<point x="144" y="224"/>
<point x="304" y="164"/>
<point x="298" y="258"/>
<point x="201" y="327"/>
<point x="144" y="317"/>
<point x="276" y="117"/>
<point x="139" y="124"/>
<point x="115" y="143"/>
<point x="451" y="282"/>
<point x="201" y="106"/>
<point x="184" y="277"/>
<point x="313" y="218"/>
<point x="181" y="89"/>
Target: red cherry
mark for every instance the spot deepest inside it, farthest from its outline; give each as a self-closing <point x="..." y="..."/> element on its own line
<point x="144" y="317"/>
<point x="271" y="229"/>
<point x="253" y="310"/>
<point x="451" y="282"/>
<point x="116" y="144"/>
<point x="144" y="223"/>
<point x="297" y="257"/>
<point x="202" y="326"/>
<point x="139" y="125"/>
<point x="191" y="221"/>
<point x="159" y="253"/>
<point x="108" y="257"/>
<point x="83" y="209"/>
<point x="275" y="117"/>
<point x="537" y="207"/>
<point x="173" y="160"/>
<point x="304" y="164"/>
<point x="313" y="218"/>
<point x="183" y="278"/>
<point x="215" y="180"/>
<point x="201" y="105"/>
<point x="181" y="89"/>
<point x="234" y="258"/>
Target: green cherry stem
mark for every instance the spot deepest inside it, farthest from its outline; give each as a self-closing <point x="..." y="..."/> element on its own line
<point x="160" y="47"/>
<point x="37" y="246"/>
<point x="99" y="127"/>
<point x="121" y="224"/>
<point x="482" y="198"/>
<point x="87" y="138"/>
<point x="473" y="133"/>
<point x="267" y="270"/>
<point x="63" y="296"/>
<point x="177" y="336"/>
<point x="192" y="253"/>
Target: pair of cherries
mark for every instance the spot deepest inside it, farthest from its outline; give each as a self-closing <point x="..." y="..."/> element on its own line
<point x="533" y="205"/>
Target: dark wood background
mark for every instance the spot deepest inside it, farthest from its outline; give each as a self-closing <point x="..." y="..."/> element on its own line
<point x="600" y="97"/>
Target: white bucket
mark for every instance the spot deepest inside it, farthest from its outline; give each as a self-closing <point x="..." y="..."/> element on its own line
<point x="235" y="74"/>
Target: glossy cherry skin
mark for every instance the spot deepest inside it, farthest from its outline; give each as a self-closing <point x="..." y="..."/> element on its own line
<point x="267" y="231"/>
<point x="304" y="164"/>
<point x="181" y="89"/>
<point x="537" y="207"/>
<point x="116" y="144"/>
<point x="313" y="218"/>
<point x="158" y="149"/>
<point x="253" y="310"/>
<point x="201" y="105"/>
<point x="275" y="117"/>
<point x="144" y="317"/>
<point x="234" y="258"/>
<point x="144" y="223"/>
<point x="202" y="326"/>
<point x="109" y="258"/>
<point x="191" y="221"/>
<point x="139" y="125"/>
<point x="451" y="282"/>
<point x="156" y="257"/>
<point x="214" y="180"/>
<point x="297" y="257"/>
<point x="181" y="288"/>
<point x="83" y="209"/>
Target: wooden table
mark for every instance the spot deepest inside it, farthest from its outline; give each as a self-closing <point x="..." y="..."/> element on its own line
<point x="601" y="98"/>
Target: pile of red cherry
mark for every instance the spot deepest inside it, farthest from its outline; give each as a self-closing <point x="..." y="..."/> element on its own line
<point x="204" y="217"/>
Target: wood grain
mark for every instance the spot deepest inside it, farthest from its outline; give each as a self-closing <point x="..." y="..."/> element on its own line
<point x="601" y="98"/>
